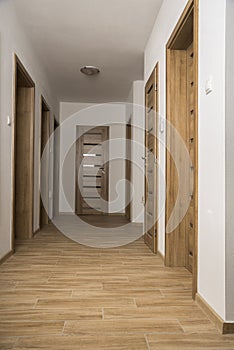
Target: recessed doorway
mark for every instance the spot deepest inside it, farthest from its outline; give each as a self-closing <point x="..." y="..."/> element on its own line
<point x="151" y="156"/>
<point x="44" y="166"/>
<point x="92" y="171"/>
<point x="182" y="115"/>
<point x="23" y="153"/>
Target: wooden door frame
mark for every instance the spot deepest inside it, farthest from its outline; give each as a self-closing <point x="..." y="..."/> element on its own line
<point x="17" y="65"/>
<point x="78" y="140"/>
<point x="55" y="212"/>
<point x="156" y="89"/>
<point x="128" y="169"/>
<point x="192" y="5"/>
<point x="43" y="101"/>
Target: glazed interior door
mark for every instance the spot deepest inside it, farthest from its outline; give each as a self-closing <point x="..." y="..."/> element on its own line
<point x="92" y="171"/>
<point x="150" y="236"/>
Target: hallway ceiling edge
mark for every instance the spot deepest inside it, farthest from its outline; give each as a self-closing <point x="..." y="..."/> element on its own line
<point x="111" y="35"/>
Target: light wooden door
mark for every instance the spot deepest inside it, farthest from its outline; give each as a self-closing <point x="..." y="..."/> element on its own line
<point x="92" y="171"/>
<point x="23" y="154"/>
<point x="182" y="115"/>
<point x="191" y="145"/>
<point x="151" y="104"/>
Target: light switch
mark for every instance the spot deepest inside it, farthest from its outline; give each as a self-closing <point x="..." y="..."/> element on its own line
<point x="8" y="120"/>
<point x="209" y="86"/>
<point x="162" y="125"/>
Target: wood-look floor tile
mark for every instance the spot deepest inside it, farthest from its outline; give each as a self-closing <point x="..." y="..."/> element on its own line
<point x="60" y="286"/>
<point x="141" y="285"/>
<point x="160" y="312"/>
<point x="117" y="293"/>
<point x="27" y="294"/>
<point x="196" y="341"/>
<point x="87" y="278"/>
<point x="89" y="342"/>
<point x="85" y="302"/>
<point x="123" y="326"/>
<point x="146" y="302"/>
<point x="17" y="304"/>
<point x="51" y="315"/>
<point x="22" y="328"/>
<point x="198" y="326"/>
<point x="7" y="343"/>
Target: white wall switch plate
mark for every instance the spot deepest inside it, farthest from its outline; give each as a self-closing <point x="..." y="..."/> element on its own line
<point x="8" y="120"/>
<point x="209" y="86"/>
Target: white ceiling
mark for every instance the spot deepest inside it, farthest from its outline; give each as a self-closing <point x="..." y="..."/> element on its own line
<point x="110" y="34"/>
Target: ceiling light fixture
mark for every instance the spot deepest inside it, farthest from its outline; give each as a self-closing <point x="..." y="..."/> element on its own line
<point x="89" y="70"/>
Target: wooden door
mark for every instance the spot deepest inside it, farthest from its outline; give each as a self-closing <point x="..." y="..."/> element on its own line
<point x="128" y="171"/>
<point x="45" y="135"/>
<point x="151" y="104"/>
<point x="182" y="114"/>
<point x="23" y="154"/>
<point x="92" y="171"/>
<point x="191" y="145"/>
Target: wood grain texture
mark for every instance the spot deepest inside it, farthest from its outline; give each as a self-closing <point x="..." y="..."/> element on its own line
<point x="44" y="165"/>
<point x="182" y="113"/>
<point x="92" y="170"/>
<point x="23" y="154"/>
<point x="57" y="294"/>
<point x="151" y="157"/>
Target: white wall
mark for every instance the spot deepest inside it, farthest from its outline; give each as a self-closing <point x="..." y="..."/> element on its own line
<point x="136" y="97"/>
<point x="14" y="40"/>
<point x="74" y="114"/>
<point x="229" y="160"/>
<point x="211" y="260"/>
<point x="155" y="52"/>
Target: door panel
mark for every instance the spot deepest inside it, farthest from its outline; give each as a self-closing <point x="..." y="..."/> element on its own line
<point x="23" y="154"/>
<point x="128" y="171"/>
<point x="190" y="224"/>
<point x="45" y="135"/>
<point x="92" y="172"/>
<point x="24" y="163"/>
<point x="151" y="104"/>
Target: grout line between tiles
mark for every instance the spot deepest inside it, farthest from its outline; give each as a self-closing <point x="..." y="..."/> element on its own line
<point x="147" y="341"/>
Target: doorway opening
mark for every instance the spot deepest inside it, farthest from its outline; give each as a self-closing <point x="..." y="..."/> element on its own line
<point x="45" y="135"/>
<point x="23" y="153"/>
<point x="128" y="171"/>
<point x="151" y="156"/>
<point x="182" y="114"/>
<point x="92" y="171"/>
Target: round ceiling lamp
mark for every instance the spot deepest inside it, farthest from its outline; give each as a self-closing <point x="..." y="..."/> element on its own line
<point x="89" y="70"/>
